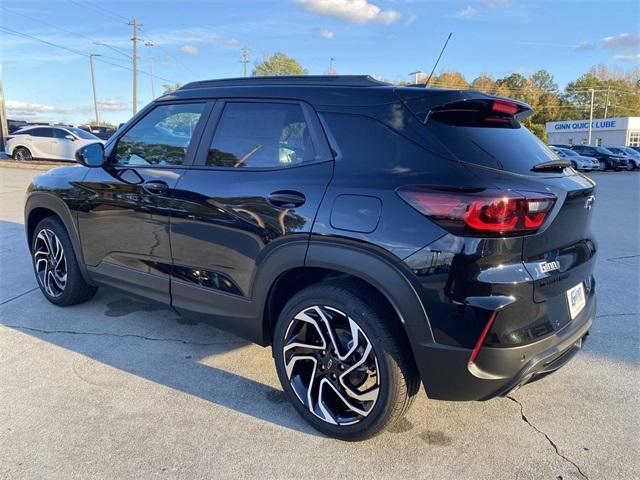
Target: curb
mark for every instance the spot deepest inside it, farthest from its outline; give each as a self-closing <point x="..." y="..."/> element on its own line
<point x="33" y="164"/>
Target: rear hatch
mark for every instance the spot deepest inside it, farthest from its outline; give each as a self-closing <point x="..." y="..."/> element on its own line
<point x="486" y="134"/>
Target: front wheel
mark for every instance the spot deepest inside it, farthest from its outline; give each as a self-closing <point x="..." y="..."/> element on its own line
<point x="340" y="362"/>
<point x="55" y="265"/>
<point x="602" y="166"/>
<point x="631" y="166"/>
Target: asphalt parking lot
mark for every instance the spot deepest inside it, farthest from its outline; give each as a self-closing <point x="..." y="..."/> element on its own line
<point x="118" y="388"/>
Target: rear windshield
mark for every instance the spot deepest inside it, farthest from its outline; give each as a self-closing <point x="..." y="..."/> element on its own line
<point x="490" y="140"/>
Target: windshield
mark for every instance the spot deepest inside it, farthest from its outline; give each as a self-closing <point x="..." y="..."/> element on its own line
<point x="78" y="132"/>
<point x="567" y="152"/>
<point x="603" y="150"/>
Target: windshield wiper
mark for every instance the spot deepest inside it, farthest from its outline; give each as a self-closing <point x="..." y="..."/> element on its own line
<point x="551" y="165"/>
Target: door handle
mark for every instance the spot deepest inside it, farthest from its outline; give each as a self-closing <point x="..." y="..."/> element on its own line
<point x="286" y="199"/>
<point x="156" y="187"/>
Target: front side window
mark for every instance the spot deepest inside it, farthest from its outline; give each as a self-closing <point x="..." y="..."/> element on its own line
<point x="59" y="133"/>
<point x="261" y="135"/>
<point x="161" y="138"/>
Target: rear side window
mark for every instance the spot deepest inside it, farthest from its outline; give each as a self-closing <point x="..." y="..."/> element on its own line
<point x="41" y="132"/>
<point x="161" y="137"/>
<point x="261" y="135"/>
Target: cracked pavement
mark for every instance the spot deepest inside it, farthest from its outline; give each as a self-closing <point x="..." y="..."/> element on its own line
<point x="118" y="388"/>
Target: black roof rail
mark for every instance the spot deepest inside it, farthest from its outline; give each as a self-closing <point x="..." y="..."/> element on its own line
<point x="315" y="80"/>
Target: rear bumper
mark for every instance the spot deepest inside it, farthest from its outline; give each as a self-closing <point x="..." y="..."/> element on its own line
<point x="447" y="374"/>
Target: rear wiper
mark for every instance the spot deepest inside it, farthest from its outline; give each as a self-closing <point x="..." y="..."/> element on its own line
<point x="551" y="165"/>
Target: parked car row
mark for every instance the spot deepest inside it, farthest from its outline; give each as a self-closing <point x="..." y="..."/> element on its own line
<point x="48" y="142"/>
<point x="590" y="157"/>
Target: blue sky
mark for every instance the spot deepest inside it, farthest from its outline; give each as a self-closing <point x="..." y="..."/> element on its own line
<point x="203" y="39"/>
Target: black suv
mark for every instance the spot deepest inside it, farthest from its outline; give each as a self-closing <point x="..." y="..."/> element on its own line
<point x="377" y="237"/>
<point x="607" y="159"/>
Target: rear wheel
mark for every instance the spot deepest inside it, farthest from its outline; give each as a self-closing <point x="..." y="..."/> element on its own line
<point x="340" y="363"/>
<point x="22" y="154"/>
<point x="574" y="165"/>
<point x="631" y="165"/>
<point x="55" y="265"/>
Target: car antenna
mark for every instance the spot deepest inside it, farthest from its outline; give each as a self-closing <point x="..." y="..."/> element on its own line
<point x="426" y="84"/>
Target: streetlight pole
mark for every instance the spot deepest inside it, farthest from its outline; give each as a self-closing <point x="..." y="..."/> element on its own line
<point x="245" y="60"/>
<point x="93" y="85"/>
<point x="150" y="44"/>
<point x="591" y="114"/>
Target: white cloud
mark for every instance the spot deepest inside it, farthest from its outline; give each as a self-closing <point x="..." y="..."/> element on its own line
<point x="622" y="41"/>
<point x="190" y="50"/>
<point x="467" y="12"/>
<point x="354" y="11"/>
<point x="498" y="3"/>
<point x="113" y="105"/>
<point x="617" y="43"/>
<point x="232" y="42"/>
<point x="627" y="58"/>
<point x="324" y="33"/>
<point x="410" y="19"/>
<point x="16" y="106"/>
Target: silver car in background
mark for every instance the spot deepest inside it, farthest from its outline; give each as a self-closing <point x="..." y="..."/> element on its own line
<point x="579" y="162"/>
<point x="632" y="155"/>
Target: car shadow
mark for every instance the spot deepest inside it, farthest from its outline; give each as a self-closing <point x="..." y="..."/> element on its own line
<point x="148" y="340"/>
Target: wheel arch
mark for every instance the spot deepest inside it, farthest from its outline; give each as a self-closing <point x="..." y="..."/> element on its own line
<point x="351" y="263"/>
<point x="40" y="205"/>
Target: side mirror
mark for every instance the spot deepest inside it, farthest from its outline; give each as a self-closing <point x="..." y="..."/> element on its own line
<point x="91" y="155"/>
<point x="70" y="137"/>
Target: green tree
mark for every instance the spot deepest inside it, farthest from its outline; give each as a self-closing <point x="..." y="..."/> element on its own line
<point x="484" y="83"/>
<point x="170" y="87"/>
<point x="449" y="79"/>
<point x="278" y="64"/>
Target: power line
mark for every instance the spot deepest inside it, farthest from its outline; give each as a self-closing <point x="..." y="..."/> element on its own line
<point x="115" y="17"/>
<point x="76" y="52"/>
<point x="117" y="50"/>
<point x="170" y="57"/>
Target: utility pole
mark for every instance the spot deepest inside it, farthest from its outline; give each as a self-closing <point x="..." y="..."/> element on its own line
<point x="93" y="85"/>
<point x="245" y="60"/>
<point x="4" y="130"/>
<point x="591" y="114"/>
<point x="134" y="39"/>
<point x="149" y="43"/>
<point x="606" y="102"/>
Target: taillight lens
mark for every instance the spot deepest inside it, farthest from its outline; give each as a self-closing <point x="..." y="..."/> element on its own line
<point x="493" y="212"/>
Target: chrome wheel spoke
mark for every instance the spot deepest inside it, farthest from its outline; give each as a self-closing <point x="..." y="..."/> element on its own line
<point x="50" y="263"/>
<point x="331" y="365"/>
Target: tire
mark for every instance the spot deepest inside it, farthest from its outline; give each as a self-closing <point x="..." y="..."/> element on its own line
<point x="630" y="166"/>
<point x="602" y="166"/>
<point x="55" y="265"/>
<point x="574" y="165"/>
<point x="22" y="154"/>
<point x="386" y="386"/>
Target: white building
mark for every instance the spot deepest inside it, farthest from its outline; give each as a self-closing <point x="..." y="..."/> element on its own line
<point x="611" y="132"/>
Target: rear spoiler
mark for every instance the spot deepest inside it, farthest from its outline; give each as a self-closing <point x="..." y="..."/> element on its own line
<point x="421" y="102"/>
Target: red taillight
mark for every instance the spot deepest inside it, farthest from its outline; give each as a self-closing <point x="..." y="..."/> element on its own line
<point x="486" y="211"/>
<point x="505" y="107"/>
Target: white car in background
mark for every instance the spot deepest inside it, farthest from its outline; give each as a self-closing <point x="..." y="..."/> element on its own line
<point x="579" y="162"/>
<point x="48" y="142"/>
